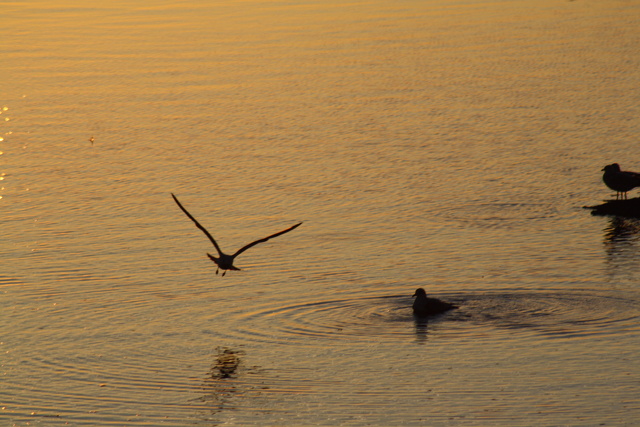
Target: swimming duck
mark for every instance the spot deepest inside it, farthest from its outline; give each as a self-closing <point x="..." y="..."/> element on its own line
<point x="224" y="261"/>
<point x="620" y="181"/>
<point x="424" y="306"/>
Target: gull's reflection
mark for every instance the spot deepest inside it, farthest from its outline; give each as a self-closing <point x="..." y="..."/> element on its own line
<point x="621" y="229"/>
<point x="220" y="389"/>
<point x="620" y="237"/>
<point x="421" y="329"/>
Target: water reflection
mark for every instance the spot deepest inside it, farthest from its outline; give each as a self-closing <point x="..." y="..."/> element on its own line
<point x="567" y="315"/>
<point x="621" y="230"/>
<point x="421" y="328"/>
<point x="226" y="363"/>
<point x="620" y="237"/>
<point x="220" y="388"/>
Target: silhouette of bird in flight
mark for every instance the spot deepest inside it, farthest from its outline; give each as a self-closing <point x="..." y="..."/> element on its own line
<point x="424" y="306"/>
<point x="225" y="262"/>
<point x="620" y="181"/>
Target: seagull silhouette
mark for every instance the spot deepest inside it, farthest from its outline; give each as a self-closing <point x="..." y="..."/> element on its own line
<point x="225" y="262"/>
<point x="424" y="306"/>
<point x="620" y="181"/>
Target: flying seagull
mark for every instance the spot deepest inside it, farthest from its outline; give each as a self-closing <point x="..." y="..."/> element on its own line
<point x="225" y="262"/>
<point x="621" y="181"/>
<point x="424" y="306"/>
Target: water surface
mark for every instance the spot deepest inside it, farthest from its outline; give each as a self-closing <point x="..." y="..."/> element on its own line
<point x="436" y="144"/>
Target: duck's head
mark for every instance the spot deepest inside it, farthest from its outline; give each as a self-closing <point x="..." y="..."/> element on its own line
<point x="420" y="292"/>
<point x="614" y="167"/>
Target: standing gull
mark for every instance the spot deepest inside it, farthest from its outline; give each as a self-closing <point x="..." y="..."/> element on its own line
<point x="620" y="181"/>
<point x="424" y="306"/>
<point x="225" y="262"/>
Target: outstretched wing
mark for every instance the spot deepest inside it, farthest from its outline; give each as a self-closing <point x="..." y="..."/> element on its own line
<point x="264" y="240"/>
<point x="204" y="230"/>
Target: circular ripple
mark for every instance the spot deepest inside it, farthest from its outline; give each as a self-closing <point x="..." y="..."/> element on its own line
<point x="296" y="323"/>
<point x="552" y="314"/>
<point x="506" y="314"/>
<point x="86" y="388"/>
<point x="85" y="358"/>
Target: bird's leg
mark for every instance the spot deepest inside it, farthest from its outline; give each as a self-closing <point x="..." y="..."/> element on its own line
<point x="216" y="271"/>
<point x="224" y="272"/>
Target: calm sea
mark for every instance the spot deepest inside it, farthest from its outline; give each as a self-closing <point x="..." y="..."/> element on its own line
<point x="449" y="145"/>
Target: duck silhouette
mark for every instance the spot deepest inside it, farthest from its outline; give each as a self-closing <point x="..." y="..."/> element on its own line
<point x="620" y="181"/>
<point x="424" y="306"/>
<point x="224" y="261"/>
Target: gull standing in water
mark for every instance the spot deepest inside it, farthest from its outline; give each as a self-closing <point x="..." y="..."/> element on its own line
<point x="621" y="181"/>
<point x="225" y="262"/>
<point x="424" y="306"/>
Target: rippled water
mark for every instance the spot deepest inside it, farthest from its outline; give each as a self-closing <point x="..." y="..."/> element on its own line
<point x="436" y="144"/>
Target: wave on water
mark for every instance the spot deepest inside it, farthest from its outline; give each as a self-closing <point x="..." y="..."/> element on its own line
<point x="550" y="314"/>
<point x="498" y="214"/>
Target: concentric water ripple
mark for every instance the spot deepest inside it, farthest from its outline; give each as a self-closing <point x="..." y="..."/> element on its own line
<point x="555" y="315"/>
<point x="102" y="388"/>
<point x="551" y="314"/>
<point x="86" y="357"/>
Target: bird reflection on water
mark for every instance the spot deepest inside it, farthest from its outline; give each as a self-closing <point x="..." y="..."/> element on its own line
<point x="227" y="363"/>
<point x="621" y="238"/>
<point x="621" y="229"/>
<point x="221" y="386"/>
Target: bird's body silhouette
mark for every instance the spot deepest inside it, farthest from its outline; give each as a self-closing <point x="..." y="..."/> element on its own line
<point x="224" y="261"/>
<point x="424" y="306"/>
<point x="620" y="181"/>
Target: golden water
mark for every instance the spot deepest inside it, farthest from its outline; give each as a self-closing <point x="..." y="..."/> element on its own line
<point x="441" y="144"/>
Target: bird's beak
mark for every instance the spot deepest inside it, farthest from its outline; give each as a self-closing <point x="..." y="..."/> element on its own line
<point x="414" y="295"/>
